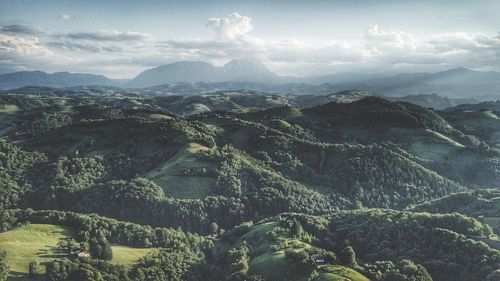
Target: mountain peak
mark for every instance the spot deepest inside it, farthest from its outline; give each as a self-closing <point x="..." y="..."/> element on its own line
<point x="458" y="70"/>
<point x="248" y="70"/>
<point x="246" y="64"/>
<point x="237" y="70"/>
<point x="250" y="61"/>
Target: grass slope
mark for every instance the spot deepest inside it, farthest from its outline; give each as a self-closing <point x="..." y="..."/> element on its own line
<point x="339" y="273"/>
<point x="124" y="255"/>
<point x="174" y="179"/>
<point x="29" y="243"/>
<point x="268" y="257"/>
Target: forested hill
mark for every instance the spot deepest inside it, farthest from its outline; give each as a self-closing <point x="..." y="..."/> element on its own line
<point x="482" y="204"/>
<point x="379" y="245"/>
<point x="128" y="158"/>
<point x="187" y="171"/>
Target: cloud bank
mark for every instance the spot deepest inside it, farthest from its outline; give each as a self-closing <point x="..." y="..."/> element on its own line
<point x="125" y="53"/>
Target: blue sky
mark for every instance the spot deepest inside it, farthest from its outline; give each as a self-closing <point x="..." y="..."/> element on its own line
<point x="122" y="38"/>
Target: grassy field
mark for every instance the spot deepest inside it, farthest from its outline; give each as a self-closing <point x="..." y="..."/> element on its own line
<point x="175" y="183"/>
<point x="29" y="243"/>
<point x="270" y="263"/>
<point x="339" y="273"/>
<point x="39" y="242"/>
<point x="8" y="108"/>
<point x="432" y="146"/>
<point x="124" y="255"/>
<point x="445" y="139"/>
<point x="157" y="116"/>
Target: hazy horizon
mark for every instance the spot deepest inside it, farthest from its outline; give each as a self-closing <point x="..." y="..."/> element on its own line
<point x="120" y="39"/>
<point x="383" y="74"/>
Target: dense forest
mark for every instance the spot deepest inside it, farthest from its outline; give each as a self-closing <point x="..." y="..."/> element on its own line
<point x="268" y="189"/>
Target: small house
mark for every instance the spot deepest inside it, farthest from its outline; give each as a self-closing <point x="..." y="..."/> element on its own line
<point x="83" y="254"/>
<point x="79" y="253"/>
<point x="318" y="258"/>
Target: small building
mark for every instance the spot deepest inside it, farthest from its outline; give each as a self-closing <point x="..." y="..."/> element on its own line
<point x="83" y="254"/>
<point x="79" y="253"/>
<point x="318" y="258"/>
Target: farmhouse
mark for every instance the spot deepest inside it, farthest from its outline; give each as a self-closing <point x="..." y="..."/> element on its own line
<point x="80" y="253"/>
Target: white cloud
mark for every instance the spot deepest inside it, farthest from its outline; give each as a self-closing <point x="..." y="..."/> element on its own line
<point x="29" y="53"/>
<point x="232" y="27"/>
<point x="22" y="46"/>
<point x="378" y="40"/>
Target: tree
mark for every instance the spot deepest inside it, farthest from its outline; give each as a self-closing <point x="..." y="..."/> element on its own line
<point x="414" y="271"/>
<point x="393" y="276"/>
<point x="35" y="268"/>
<point x="296" y="229"/>
<point x="107" y="253"/>
<point x="214" y="228"/>
<point x="100" y="249"/>
<point x="298" y="257"/>
<point x="4" y="268"/>
<point x="348" y="256"/>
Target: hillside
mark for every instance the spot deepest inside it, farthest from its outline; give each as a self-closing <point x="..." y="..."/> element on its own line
<point x="420" y="134"/>
<point x="481" y="120"/>
<point x="69" y="158"/>
<point x="354" y="245"/>
<point x="433" y="100"/>
<point x="36" y="242"/>
<point x="481" y="204"/>
<point x="256" y="163"/>
<point x="44" y="243"/>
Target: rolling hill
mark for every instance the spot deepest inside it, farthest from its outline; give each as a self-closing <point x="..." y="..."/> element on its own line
<point x="360" y="245"/>
<point x="245" y="186"/>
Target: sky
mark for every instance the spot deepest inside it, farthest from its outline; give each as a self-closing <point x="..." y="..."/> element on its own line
<point x="121" y="38"/>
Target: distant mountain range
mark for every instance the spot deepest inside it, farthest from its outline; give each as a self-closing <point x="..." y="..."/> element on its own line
<point x="247" y="70"/>
<point x="457" y="82"/>
<point x="57" y="79"/>
<point x="241" y="70"/>
<point x="250" y="74"/>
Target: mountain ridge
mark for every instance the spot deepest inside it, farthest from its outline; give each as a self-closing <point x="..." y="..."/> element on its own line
<point x="56" y="79"/>
<point x="194" y="77"/>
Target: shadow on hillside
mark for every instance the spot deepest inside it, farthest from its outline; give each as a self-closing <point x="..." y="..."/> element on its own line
<point x="53" y="252"/>
<point x="20" y="276"/>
